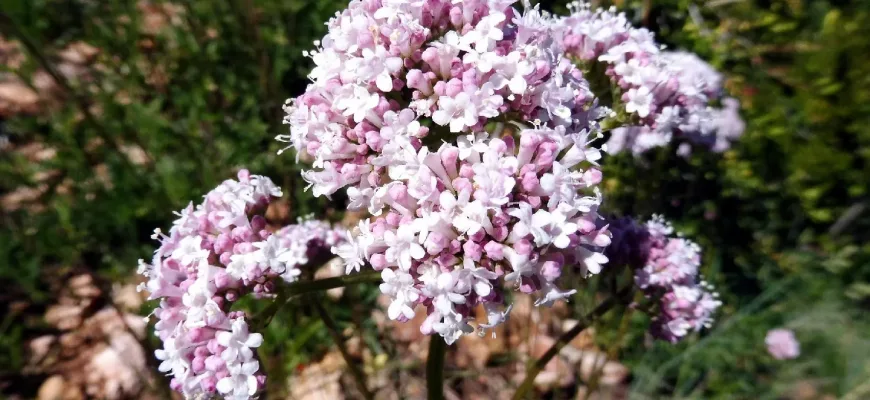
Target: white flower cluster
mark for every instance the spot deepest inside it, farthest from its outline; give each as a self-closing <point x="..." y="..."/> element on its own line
<point x="412" y="108"/>
<point x="667" y="92"/>
<point x="215" y="253"/>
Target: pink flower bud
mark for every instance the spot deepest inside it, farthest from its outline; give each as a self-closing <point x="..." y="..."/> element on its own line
<point x="243" y="248"/>
<point x="416" y="80"/>
<point x="456" y="18"/>
<point x="466" y="171"/>
<point x="196" y="335"/>
<point x="214" y="347"/>
<point x="552" y="268"/>
<point x="214" y="363"/>
<point x="435" y="243"/>
<point x="584" y="226"/>
<point x="529" y="285"/>
<point x="378" y="261"/>
<point x="440" y="88"/>
<point x="223" y="243"/>
<point x="226" y="257"/>
<point x="208" y="384"/>
<point x="462" y="184"/>
<point x="454" y="87"/>
<point x="244" y="175"/>
<point x="197" y="365"/>
<point x="500" y="233"/>
<point x="201" y="351"/>
<point x="523" y="247"/>
<point x="186" y="284"/>
<point x="221" y="374"/>
<point x="494" y="250"/>
<point x="258" y="223"/>
<point x="398" y="193"/>
<point x="472" y="250"/>
<point x="394" y="219"/>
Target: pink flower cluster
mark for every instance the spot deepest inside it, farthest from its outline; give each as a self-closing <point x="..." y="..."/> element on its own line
<point x="464" y="131"/>
<point x="215" y="253"/>
<point x="687" y="303"/>
<point x="666" y="268"/>
<point x="782" y="344"/>
<point x="668" y="93"/>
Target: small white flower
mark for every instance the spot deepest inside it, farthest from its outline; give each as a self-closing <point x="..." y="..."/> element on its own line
<point x="521" y="265"/>
<point x="352" y="252"/>
<point x="239" y="342"/>
<point x="472" y="218"/>
<point x="190" y="251"/>
<point x="241" y="383"/>
<point x="494" y="317"/>
<point x="639" y="101"/>
<point x="452" y="327"/>
<point x="553" y="294"/>
<point x="400" y="286"/>
<point x="173" y="357"/>
<point x="357" y="101"/>
<point x="493" y="186"/>
<point x="403" y="247"/>
<point x="479" y="278"/>
<point x="591" y="260"/>
<point x="201" y="309"/>
<point x="485" y="34"/>
<point x="552" y="228"/>
<point x="240" y="263"/>
<point x="457" y="111"/>
<point x="472" y="145"/>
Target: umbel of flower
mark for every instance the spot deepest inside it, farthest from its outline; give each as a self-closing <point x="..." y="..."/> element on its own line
<point x="668" y="94"/>
<point x="216" y="252"/>
<point x="666" y="269"/>
<point x="467" y="135"/>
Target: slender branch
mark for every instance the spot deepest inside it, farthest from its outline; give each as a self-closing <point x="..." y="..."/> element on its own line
<point x="587" y="320"/>
<point x="338" y="338"/>
<point x="435" y="368"/>
<point x="332" y="283"/>
<point x="302" y="287"/>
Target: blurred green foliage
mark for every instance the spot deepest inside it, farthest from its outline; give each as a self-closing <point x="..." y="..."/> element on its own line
<point x="197" y="86"/>
<point x="180" y="96"/>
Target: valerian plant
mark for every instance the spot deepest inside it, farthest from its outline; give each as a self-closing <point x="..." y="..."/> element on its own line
<point x="472" y="133"/>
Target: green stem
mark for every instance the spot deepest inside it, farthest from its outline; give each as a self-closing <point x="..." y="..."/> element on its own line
<point x="263" y="318"/>
<point x="533" y="370"/>
<point x="338" y="338"/>
<point x="435" y="368"/>
<point x="319" y="285"/>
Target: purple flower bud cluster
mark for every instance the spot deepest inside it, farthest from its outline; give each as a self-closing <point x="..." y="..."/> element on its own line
<point x="306" y="242"/>
<point x="666" y="268"/>
<point x="468" y="136"/>
<point x="630" y="242"/>
<point x="667" y="92"/>
<point x="215" y="253"/>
